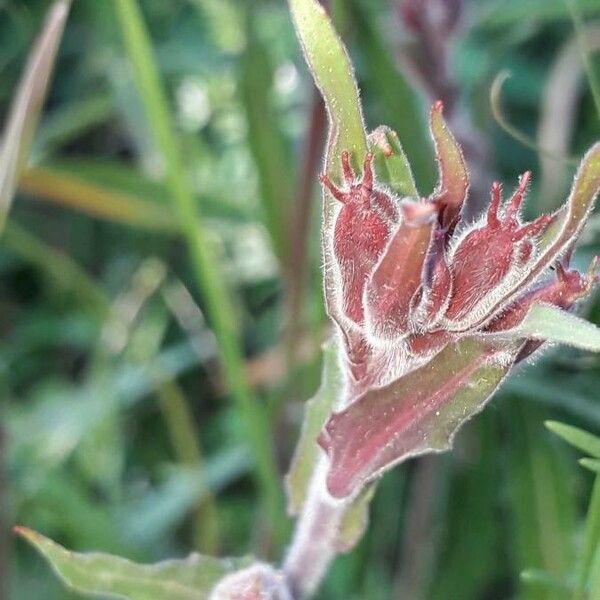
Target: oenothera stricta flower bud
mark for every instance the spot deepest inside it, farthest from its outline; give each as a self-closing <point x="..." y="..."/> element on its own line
<point x="362" y="229"/>
<point x="435" y="305"/>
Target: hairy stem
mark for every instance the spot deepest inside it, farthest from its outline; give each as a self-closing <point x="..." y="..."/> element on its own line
<point x="313" y="547"/>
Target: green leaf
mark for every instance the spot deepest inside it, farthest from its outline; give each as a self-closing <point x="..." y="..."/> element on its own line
<point x="514" y="12"/>
<point x="580" y="439"/>
<point x="540" y="578"/>
<point x="96" y="200"/>
<point x="27" y="104"/>
<point x="316" y="412"/>
<point x="588" y="568"/>
<point x="192" y="578"/>
<point x="416" y="414"/>
<point x="553" y="324"/>
<point x="390" y="163"/>
<point x="594" y="577"/>
<point x="333" y="74"/>
<point x="542" y="501"/>
<point x="331" y="68"/>
<point x="592" y="464"/>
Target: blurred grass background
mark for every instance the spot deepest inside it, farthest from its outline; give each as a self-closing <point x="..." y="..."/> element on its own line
<point x="160" y="299"/>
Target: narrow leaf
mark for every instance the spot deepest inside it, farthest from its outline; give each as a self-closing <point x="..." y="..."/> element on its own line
<point x="415" y="414"/>
<point x="553" y="324"/>
<point x="541" y="578"/>
<point x="266" y="143"/>
<point x="316" y="412"/>
<point x="27" y="104"/>
<point x="391" y="165"/>
<point x="330" y="66"/>
<point x="592" y="464"/>
<point x="96" y="200"/>
<point x="580" y="439"/>
<point x="192" y="578"/>
<point x="332" y="71"/>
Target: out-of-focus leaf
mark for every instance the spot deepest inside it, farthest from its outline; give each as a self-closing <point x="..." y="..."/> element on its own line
<point x="331" y="68"/>
<point x="69" y="122"/>
<point x="537" y="577"/>
<point x="399" y="105"/>
<point x="580" y="439"/>
<point x="588" y="563"/>
<point x="542" y="501"/>
<point x="121" y="178"/>
<point x="551" y="390"/>
<point x="553" y="324"/>
<point x="94" y="200"/>
<point x="27" y="103"/>
<point x="415" y="414"/>
<point x="468" y="560"/>
<point x="192" y="578"/>
<point x="513" y="12"/>
<point x="594" y="578"/>
<point x="316" y="411"/>
<point x="60" y="268"/>
<point x="225" y="23"/>
<point x="390" y="162"/>
<point x="268" y="147"/>
<point x="219" y="307"/>
<point x="592" y="464"/>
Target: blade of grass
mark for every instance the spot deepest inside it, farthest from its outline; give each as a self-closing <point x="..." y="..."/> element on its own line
<point x="27" y="104"/>
<point x="63" y="271"/>
<point x="94" y="200"/>
<point x="68" y="123"/>
<point x="542" y="500"/>
<point x="587" y="566"/>
<point x="580" y="439"/>
<point x="218" y="303"/>
<point x="264" y="137"/>
<point x="179" y="420"/>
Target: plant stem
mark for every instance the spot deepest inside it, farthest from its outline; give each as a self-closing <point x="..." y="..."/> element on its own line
<point x="218" y="304"/>
<point x="313" y="547"/>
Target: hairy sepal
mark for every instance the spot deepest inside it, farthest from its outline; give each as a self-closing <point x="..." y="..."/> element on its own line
<point x="562" y="233"/>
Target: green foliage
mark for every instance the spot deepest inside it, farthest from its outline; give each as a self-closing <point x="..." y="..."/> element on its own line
<point x="65" y="258"/>
<point x="192" y="578"/>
